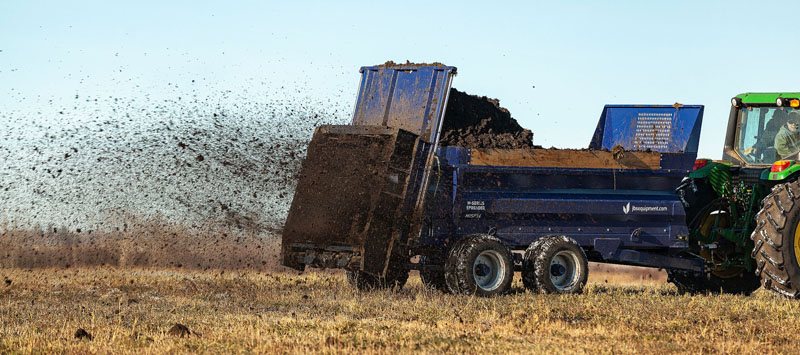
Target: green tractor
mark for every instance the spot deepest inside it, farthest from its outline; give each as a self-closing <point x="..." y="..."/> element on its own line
<point x="743" y="211"/>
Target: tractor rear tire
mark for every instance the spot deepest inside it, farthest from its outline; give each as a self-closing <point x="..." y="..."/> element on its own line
<point x="560" y="265"/>
<point x="777" y="240"/>
<point x="479" y="264"/>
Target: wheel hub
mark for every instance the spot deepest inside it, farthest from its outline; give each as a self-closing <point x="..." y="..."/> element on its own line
<point x="557" y="270"/>
<point x="563" y="269"/>
<point x="488" y="270"/>
<point x="482" y="270"/>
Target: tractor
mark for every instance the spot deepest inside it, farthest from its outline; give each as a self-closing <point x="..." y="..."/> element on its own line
<point x="743" y="212"/>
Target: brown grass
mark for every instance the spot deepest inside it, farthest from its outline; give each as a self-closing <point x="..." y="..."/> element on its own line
<point x="131" y="310"/>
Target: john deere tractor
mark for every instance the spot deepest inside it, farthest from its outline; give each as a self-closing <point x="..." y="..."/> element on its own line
<point x="744" y="211"/>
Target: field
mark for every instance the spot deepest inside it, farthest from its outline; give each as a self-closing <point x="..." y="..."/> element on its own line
<point x="130" y="310"/>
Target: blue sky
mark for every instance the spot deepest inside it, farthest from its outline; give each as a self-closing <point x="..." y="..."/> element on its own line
<point x="552" y="64"/>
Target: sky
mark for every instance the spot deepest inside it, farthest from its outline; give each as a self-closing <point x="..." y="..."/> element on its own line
<point x="552" y="64"/>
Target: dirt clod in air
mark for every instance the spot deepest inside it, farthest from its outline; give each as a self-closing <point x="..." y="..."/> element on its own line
<point x="179" y="330"/>
<point x="82" y="334"/>
<point x="618" y="152"/>
<point x="408" y="63"/>
<point x="480" y="122"/>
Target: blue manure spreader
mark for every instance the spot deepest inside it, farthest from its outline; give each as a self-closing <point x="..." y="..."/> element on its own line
<point x="381" y="196"/>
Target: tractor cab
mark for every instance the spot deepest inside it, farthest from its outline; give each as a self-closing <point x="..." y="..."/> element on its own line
<point x="758" y="134"/>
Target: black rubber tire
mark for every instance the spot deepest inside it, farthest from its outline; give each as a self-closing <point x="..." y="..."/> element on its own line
<point x="774" y="238"/>
<point x="366" y="282"/>
<point x="352" y="277"/>
<point x="695" y="283"/>
<point x="396" y="277"/>
<point x="459" y="268"/>
<point x="559" y="246"/>
<point x="433" y="279"/>
<point x="528" y="274"/>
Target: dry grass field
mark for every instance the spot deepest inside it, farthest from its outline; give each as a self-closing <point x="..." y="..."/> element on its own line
<point x="132" y="311"/>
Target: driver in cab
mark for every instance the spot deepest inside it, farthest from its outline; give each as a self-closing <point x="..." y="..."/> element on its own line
<point x="787" y="141"/>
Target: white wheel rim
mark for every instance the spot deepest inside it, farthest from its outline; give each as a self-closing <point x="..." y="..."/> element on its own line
<point x="489" y="270"/>
<point x="563" y="269"/>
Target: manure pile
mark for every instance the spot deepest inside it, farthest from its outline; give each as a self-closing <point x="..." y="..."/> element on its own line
<point x="480" y="122"/>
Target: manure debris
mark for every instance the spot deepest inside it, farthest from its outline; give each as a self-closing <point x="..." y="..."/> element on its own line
<point x="179" y="330"/>
<point x="83" y="334"/>
<point x="160" y="182"/>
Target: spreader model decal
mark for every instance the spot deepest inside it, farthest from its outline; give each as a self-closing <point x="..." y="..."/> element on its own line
<point x="475" y="209"/>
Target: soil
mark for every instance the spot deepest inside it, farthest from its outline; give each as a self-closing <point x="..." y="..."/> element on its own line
<point x="566" y="158"/>
<point x="480" y="122"/>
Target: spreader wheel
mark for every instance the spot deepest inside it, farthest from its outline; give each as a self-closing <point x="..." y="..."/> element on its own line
<point x="366" y="282"/>
<point x="395" y="279"/>
<point x="528" y="274"/>
<point x="352" y="277"/>
<point x="433" y="279"/>
<point x="557" y="265"/>
<point x="480" y="265"/>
